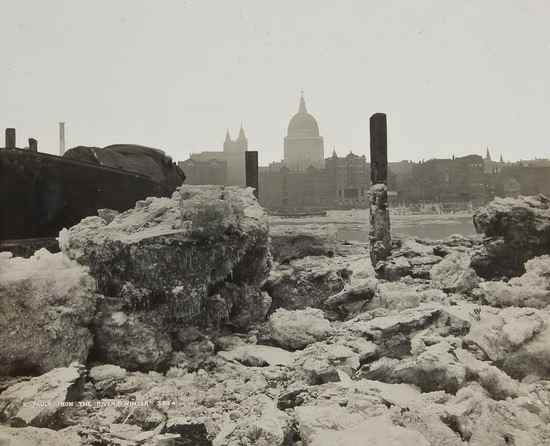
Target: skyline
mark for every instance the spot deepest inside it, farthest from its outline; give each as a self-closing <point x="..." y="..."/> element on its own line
<point x="451" y="77"/>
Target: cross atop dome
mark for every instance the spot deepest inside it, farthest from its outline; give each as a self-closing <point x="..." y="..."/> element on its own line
<point x="302" y="108"/>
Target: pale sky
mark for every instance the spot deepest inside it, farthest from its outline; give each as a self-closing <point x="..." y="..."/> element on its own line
<point x="453" y="76"/>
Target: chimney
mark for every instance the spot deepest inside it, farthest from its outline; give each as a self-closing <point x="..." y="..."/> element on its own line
<point x="33" y="145"/>
<point x="61" y="138"/>
<point x="10" y="138"/>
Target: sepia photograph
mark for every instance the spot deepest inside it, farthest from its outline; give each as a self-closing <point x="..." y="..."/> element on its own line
<point x="275" y="223"/>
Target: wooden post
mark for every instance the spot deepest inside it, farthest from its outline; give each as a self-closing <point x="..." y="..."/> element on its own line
<point x="251" y="169"/>
<point x="379" y="232"/>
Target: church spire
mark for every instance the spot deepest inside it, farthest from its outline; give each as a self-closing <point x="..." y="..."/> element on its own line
<point x="501" y="159"/>
<point x="302" y="108"/>
<point x="227" y="136"/>
<point x="242" y="136"/>
<point x="488" y="155"/>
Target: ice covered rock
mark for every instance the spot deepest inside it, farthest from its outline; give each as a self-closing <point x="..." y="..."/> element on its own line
<point x="171" y="250"/>
<point x="454" y="274"/>
<point x="305" y="283"/>
<point x="352" y="298"/>
<point x="402" y="295"/>
<point x="48" y="302"/>
<point x="133" y="340"/>
<point x="169" y="262"/>
<point x="517" y="340"/>
<point x="436" y="368"/>
<point x="482" y="421"/>
<point x="532" y="289"/>
<point x="394" y="269"/>
<point x="238" y="306"/>
<point x="287" y="246"/>
<point x="34" y="436"/>
<point x="412" y="258"/>
<point x="337" y="410"/>
<point x="105" y="378"/>
<point x="258" y="355"/>
<point x="377" y="431"/>
<point x="299" y="328"/>
<point x="107" y="372"/>
<point x="269" y="427"/>
<point x="443" y="366"/>
<point x="39" y="401"/>
<point x="189" y="431"/>
<point x="321" y="361"/>
<point x="516" y="230"/>
<point x="392" y="333"/>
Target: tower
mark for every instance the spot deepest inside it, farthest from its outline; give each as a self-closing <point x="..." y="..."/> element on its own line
<point x="240" y="145"/>
<point x="303" y="146"/>
<point x="234" y="157"/>
<point x="242" y="141"/>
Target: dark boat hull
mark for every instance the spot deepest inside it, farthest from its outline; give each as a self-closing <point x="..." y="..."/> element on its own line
<point x="40" y="193"/>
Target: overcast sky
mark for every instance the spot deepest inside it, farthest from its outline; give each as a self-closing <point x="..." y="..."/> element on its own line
<point x="453" y="76"/>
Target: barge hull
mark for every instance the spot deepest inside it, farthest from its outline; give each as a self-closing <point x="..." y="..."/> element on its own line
<point x="41" y="193"/>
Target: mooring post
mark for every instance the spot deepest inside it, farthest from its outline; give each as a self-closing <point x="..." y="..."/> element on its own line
<point x="251" y="169"/>
<point x="379" y="232"/>
<point x="33" y="145"/>
<point x="10" y="138"/>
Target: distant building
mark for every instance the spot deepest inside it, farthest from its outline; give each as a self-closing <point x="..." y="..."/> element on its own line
<point x="457" y="179"/>
<point x="305" y="179"/>
<point x="491" y="167"/>
<point x="523" y="178"/>
<point x="232" y="156"/>
<point x="343" y="182"/>
<point x="204" y="172"/>
<point x="537" y="162"/>
<point x="349" y="177"/>
<point x="303" y="146"/>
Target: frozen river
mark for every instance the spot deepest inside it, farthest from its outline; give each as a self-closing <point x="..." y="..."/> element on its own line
<point x="353" y="225"/>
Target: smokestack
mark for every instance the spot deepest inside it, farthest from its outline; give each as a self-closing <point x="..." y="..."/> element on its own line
<point x="61" y="138"/>
<point x="10" y="138"/>
<point x="33" y="145"/>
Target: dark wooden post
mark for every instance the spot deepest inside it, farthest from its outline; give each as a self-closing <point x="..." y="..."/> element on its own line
<point x="379" y="232"/>
<point x="251" y="169"/>
<point x="33" y="145"/>
<point x="10" y="138"/>
<point x="378" y="149"/>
